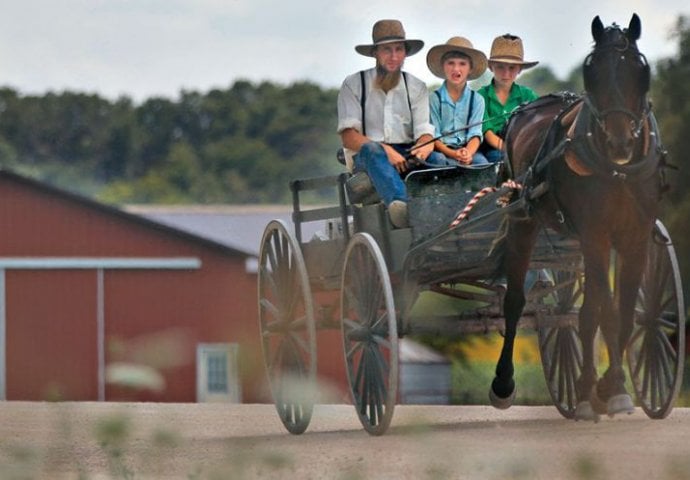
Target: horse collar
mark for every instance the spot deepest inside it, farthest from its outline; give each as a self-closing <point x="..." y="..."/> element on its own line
<point x="585" y="158"/>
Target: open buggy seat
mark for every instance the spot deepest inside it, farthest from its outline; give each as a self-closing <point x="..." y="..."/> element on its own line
<point x="436" y="196"/>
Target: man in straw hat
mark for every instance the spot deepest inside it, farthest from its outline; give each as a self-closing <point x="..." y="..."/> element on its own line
<point x="455" y="107"/>
<point x="503" y="95"/>
<point x="383" y="115"/>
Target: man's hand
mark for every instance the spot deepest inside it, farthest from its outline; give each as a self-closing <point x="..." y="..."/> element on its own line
<point x="423" y="147"/>
<point x="395" y="159"/>
<point x="423" y="152"/>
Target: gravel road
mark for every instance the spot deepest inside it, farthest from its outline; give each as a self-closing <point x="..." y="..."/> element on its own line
<point x="219" y="441"/>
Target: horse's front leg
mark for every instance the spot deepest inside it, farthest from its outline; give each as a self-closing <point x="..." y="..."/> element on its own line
<point x="597" y="294"/>
<point x="519" y="242"/>
<point x="502" y="391"/>
<point x="632" y="265"/>
<point x="617" y="331"/>
<point x="611" y="387"/>
<point x="588" y="324"/>
<point x="609" y="394"/>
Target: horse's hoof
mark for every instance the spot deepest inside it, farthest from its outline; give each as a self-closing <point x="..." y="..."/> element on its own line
<point x="584" y="411"/>
<point x="500" y="402"/>
<point x="597" y="404"/>
<point x="620" y="404"/>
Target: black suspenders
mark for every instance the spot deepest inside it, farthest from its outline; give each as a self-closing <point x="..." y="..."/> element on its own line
<point x="363" y="101"/>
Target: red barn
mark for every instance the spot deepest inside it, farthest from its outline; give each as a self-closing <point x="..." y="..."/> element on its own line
<point x="149" y="303"/>
<point x="100" y="304"/>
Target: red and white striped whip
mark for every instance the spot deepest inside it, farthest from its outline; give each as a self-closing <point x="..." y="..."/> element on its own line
<point x="510" y="184"/>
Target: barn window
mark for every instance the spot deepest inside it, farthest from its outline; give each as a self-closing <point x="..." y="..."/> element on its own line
<point x="217" y="368"/>
<point x="217" y="373"/>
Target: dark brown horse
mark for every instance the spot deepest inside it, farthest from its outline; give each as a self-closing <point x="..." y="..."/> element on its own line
<point x="598" y="166"/>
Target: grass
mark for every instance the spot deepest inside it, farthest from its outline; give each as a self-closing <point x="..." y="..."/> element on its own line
<point x="473" y="367"/>
<point x="474" y="359"/>
<point x="473" y="370"/>
<point x="470" y="384"/>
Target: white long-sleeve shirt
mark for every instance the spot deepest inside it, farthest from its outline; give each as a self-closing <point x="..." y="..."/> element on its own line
<point x="388" y="116"/>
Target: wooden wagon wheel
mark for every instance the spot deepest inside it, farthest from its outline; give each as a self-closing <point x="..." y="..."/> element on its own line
<point x="656" y="351"/>
<point x="559" y="343"/>
<point x="288" y="332"/>
<point x="370" y="334"/>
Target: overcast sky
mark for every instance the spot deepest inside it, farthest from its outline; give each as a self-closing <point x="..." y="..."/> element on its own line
<point x="142" y="48"/>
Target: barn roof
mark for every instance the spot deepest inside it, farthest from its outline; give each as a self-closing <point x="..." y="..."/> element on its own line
<point x="235" y="226"/>
<point x="194" y="235"/>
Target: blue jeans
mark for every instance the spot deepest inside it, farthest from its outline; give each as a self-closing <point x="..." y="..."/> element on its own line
<point x="387" y="181"/>
<point x="477" y="159"/>
<point x="493" y="155"/>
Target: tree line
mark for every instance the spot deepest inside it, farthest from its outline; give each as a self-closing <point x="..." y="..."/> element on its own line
<point x="243" y="144"/>
<point x="671" y="105"/>
<point x="239" y="145"/>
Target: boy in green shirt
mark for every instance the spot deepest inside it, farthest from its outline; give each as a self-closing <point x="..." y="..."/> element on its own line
<point x="503" y="95"/>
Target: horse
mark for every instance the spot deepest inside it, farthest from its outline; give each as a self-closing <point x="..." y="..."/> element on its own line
<point x="590" y="169"/>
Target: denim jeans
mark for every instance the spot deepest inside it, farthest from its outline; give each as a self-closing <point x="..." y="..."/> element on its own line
<point x="387" y="181"/>
<point x="477" y="159"/>
<point x="493" y="155"/>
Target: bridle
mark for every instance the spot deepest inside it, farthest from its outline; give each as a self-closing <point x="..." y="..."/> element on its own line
<point x="621" y="49"/>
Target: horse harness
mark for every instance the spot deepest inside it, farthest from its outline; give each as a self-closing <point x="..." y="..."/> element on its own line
<point x="571" y="137"/>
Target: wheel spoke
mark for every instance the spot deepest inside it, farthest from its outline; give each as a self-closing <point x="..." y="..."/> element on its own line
<point x="385" y="343"/>
<point x="364" y="398"/>
<point x="357" y="383"/>
<point x="356" y="347"/>
<point x="665" y="351"/>
<point x="268" y="281"/>
<point x="271" y="309"/>
<point x="300" y="342"/>
<point x="373" y="390"/>
<point x="276" y="359"/>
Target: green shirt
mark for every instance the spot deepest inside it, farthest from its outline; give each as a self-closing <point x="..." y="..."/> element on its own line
<point x="497" y="114"/>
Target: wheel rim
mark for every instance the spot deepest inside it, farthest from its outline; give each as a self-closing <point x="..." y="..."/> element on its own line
<point x="559" y="344"/>
<point x="656" y="351"/>
<point x="370" y="337"/>
<point x="288" y="333"/>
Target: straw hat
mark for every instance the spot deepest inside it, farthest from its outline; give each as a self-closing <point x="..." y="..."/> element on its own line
<point x="389" y="31"/>
<point x="456" y="44"/>
<point x="508" y="49"/>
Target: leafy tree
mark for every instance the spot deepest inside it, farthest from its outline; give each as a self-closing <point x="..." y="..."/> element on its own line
<point x="543" y="81"/>
<point x="671" y="99"/>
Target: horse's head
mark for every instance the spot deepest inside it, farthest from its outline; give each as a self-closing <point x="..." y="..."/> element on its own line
<point x="616" y="77"/>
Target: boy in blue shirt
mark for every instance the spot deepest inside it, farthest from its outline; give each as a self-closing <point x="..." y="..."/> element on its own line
<point x="455" y="105"/>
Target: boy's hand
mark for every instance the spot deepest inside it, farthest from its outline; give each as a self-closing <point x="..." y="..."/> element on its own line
<point x="463" y="156"/>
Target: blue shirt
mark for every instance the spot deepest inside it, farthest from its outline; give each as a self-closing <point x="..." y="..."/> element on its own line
<point x="447" y="115"/>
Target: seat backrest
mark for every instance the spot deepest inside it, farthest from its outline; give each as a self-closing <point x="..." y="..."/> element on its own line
<point x="438" y="194"/>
